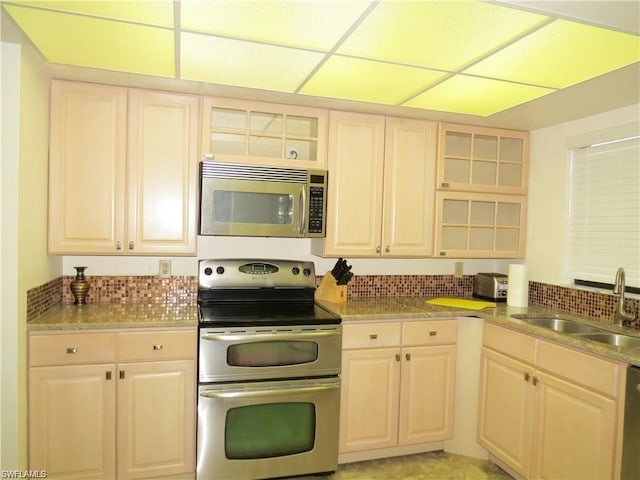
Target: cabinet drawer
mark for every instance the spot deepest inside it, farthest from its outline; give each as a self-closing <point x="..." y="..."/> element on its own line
<point x="371" y="335"/>
<point x="592" y="372"/>
<point x="160" y="345"/>
<point x="516" y="345"/>
<point x="71" y="349"/>
<point x="429" y="332"/>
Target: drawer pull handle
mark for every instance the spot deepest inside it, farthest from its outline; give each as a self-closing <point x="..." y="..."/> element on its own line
<point x="72" y="350"/>
<point x="433" y="333"/>
<point x="407" y="356"/>
<point x="373" y="336"/>
<point x="158" y="346"/>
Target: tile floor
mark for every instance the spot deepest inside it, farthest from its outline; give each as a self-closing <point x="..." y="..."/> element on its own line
<point x="426" y="466"/>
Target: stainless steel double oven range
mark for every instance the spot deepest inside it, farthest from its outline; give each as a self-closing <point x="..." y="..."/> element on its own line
<point x="268" y="372"/>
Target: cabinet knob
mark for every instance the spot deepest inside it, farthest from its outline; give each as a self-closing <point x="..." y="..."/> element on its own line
<point x="397" y="357"/>
<point x="387" y="249"/>
<point x="118" y="245"/>
<point x="526" y="376"/>
<point x="131" y="245"/>
<point x="407" y="356"/>
<point x="158" y="346"/>
<point x="378" y="249"/>
<point x="121" y="374"/>
<point x="108" y="375"/>
<point x="72" y="350"/>
<point x="534" y="380"/>
<point x="433" y="333"/>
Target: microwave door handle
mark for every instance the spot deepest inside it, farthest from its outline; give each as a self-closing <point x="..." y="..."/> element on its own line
<point x="303" y="211"/>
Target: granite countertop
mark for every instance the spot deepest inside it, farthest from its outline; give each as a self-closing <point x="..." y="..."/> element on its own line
<point x="103" y="316"/>
<point x="407" y="308"/>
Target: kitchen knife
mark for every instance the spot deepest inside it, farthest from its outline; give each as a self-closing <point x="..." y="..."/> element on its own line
<point x="345" y="278"/>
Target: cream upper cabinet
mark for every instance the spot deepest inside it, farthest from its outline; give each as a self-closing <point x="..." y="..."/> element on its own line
<point x="547" y="411"/>
<point x="87" y="168"/>
<point x="397" y="391"/>
<point x="162" y="173"/>
<point x="122" y="171"/>
<point x="481" y="159"/>
<point x="482" y="192"/>
<point x="381" y="195"/>
<point x="240" y="131"/>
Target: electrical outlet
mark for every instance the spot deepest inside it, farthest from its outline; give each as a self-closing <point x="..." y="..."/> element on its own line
<point x="457" y="272"/>
<point x="165" y="269"/>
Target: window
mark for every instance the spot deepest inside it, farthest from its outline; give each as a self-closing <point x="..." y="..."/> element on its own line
<point x="604" y="211"/>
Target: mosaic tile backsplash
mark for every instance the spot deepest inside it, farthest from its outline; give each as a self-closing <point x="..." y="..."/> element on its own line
<point x="184" y="289"/>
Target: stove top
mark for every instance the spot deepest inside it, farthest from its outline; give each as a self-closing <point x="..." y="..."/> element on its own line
<point x="238" y="292"/>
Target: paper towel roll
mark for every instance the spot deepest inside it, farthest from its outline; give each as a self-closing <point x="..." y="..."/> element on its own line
<point x="518" y="286"/>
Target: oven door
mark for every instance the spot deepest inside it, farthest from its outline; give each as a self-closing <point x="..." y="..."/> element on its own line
<point x="268" y="429"/>
<point x="252" y="353"/>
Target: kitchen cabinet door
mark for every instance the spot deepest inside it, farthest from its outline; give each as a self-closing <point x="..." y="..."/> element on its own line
<point x="576" y="431"/>
<point x="156" y="419"/>
<point x="409" y="193"/>
<point x="369" y="399"/>
<point x="162" y="172"/>
<point x="87" y="162"/>
<point x="426" y="394"/>
<point x="505" y="417"/>
<point x="354" y="205"/>
<point x="72" y="428"/>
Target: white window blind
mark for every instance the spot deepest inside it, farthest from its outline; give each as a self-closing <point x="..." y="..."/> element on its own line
<point x="604" y="211"/>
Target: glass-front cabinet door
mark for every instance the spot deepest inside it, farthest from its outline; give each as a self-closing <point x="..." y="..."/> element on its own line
<point x="480" y="225"/>
<point x="263" y="133"/>
<point x="482" y="159"/>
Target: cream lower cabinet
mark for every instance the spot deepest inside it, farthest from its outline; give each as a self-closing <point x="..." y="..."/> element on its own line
<point x="122" y="171"/>
<point x="126" y="419"/>
<point x="397" y="387"/>
<point x="381" y="187"/>
<point x="547" y="411"/>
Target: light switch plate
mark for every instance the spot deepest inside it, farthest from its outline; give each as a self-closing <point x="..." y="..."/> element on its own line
<point x="165" y="269"/>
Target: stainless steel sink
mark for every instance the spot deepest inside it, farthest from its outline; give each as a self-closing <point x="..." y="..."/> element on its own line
<point x="610" y="338"/>
<point x="556" y="323"/>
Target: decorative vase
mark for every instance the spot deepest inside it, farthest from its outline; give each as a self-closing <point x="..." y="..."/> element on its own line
<point x="79" y="286"/>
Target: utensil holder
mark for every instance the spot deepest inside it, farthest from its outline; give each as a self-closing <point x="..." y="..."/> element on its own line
<point x="330" y="291"/>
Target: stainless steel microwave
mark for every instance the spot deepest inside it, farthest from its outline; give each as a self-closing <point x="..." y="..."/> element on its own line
<point x="259" y="201"/>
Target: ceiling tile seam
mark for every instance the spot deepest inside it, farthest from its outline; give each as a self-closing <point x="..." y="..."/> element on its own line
<point x="338" y="44"/>
<point x="177" y="40"/>
<point x="482" y="57"/>
<point x="85" y="15"/>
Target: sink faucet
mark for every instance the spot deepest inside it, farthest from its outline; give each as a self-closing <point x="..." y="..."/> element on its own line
<point x="620" y="317"/>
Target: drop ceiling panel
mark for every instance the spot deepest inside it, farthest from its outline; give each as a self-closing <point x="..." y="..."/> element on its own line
<point x="98" y="43"/>
<point x="476" y="96"/>
<point x="302" y="24"/>
<point x="437" y="34"/>
<point x="561" y="54"/>
<point x="245" y="64"/>
<point x="369" y="81"/>
<point x="150" y="12"/>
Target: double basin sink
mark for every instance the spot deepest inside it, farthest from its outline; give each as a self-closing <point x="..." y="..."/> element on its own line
<point x="562" y="324"/>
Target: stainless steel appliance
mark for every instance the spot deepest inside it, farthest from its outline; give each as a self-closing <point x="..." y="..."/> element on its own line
<point x="492" y="286"/>
<point x="252" y="200"/>
<point x="631" y="433"/>
<point x="268" y="372"/>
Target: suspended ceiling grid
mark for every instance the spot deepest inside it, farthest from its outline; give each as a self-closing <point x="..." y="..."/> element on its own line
<point x="468" y="57"/>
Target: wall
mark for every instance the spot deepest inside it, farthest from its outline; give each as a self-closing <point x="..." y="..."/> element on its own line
<point x="25" y="263"/>
<point x="549" y="191"/>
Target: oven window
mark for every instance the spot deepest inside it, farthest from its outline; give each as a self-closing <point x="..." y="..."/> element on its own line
<point x="270" y="430"/>
<point x="251" y="207"/>
<point x="271" y="354"/>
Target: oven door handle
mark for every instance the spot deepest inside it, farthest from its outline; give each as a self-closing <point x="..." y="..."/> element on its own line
<point x="268" y="392"/>
<point x="271" y="336"/>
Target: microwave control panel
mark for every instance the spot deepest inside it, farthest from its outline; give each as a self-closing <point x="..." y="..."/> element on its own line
<point x="316" y="209"/>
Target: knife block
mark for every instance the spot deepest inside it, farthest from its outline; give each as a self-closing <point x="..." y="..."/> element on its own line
<point x="330" y="291"/>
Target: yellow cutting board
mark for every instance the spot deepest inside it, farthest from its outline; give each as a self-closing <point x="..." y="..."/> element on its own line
<point x="461" y="303"/>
